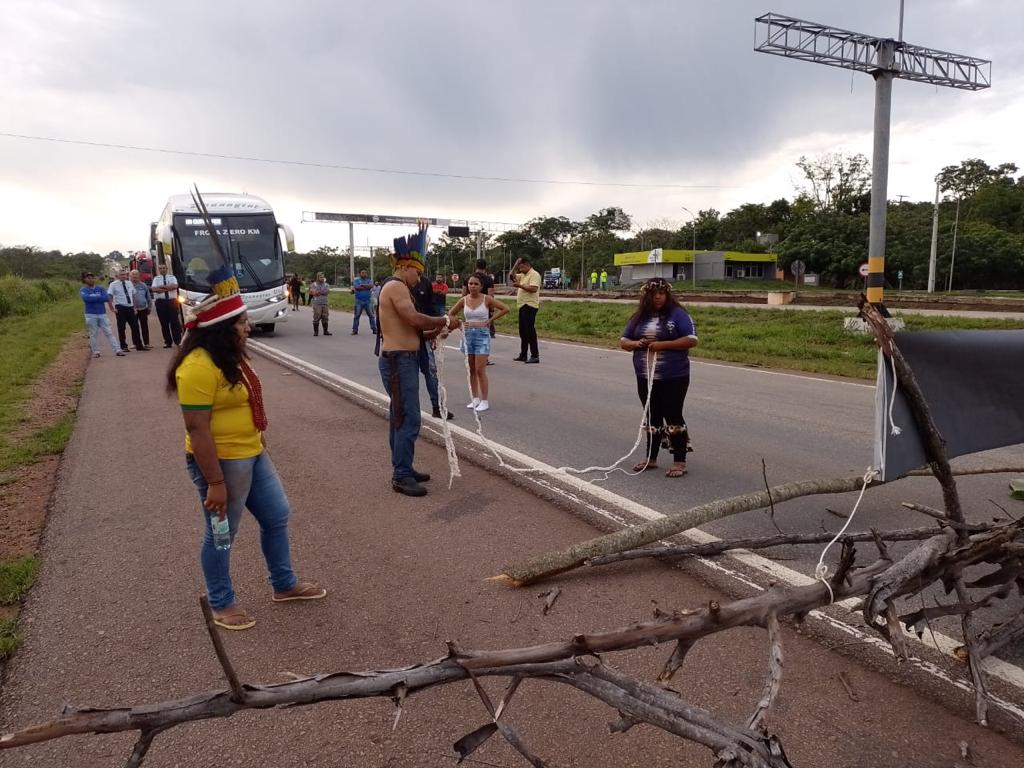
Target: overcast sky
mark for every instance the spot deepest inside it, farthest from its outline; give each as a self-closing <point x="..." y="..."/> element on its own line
<point x="646" y="92"/>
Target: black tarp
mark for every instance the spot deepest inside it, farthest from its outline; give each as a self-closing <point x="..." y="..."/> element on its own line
<point x="973" y="382"/>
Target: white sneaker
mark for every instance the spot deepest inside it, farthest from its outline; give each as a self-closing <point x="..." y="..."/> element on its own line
<point x="475" y="403"/>
<point x="483" y="406"/>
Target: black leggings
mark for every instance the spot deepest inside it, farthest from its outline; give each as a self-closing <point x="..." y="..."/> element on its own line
<point x="667" y="398"/>
<point x="528" y="331"/>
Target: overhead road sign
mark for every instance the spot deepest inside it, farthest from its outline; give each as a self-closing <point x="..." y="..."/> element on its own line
<point x="885" y="59"/>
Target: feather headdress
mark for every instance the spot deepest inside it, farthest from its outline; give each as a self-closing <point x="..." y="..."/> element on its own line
<point x="412" y="250"/>
<point x="224" y="301"/>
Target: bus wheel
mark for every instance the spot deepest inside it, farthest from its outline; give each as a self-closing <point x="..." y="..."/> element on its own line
<point x="266" y="328"/>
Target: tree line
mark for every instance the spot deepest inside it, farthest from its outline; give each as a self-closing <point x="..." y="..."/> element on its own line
<point x="825" y="225"/>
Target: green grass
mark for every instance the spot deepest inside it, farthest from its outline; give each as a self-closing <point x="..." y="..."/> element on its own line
<point x="49" y="441"/>
<point x="10" y="637"/>
<point x="809" y="341"/>
<point x="17" y="576"/>
<point x="28" y="345"/>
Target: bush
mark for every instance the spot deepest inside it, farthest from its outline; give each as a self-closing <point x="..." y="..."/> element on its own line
<point x="26" y="297"/>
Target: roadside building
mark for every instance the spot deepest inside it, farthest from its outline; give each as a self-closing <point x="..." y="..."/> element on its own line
<point x="637" y="266"/>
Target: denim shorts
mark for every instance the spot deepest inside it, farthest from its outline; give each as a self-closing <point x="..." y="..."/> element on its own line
<point x="477" y="341"/>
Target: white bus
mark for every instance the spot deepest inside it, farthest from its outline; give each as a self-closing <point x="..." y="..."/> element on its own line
<point x="248" y="232"/>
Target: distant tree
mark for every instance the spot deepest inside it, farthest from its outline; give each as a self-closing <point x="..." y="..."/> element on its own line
<point x="839" y="183"/>
<point x="964" y="180"/>
<point x="611" y="219"/>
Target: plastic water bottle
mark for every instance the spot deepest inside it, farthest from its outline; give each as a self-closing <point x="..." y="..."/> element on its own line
<point x="221" y="531"/>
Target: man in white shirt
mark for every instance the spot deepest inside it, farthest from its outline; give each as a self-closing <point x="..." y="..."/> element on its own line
<point x="122" y="301"/>
<point x="165" y="297"/>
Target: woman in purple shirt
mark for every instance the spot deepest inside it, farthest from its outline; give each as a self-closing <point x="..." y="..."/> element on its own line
<point x="660" y="334"/>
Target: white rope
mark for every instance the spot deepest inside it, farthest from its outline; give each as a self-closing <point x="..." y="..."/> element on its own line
<point x="651" y="363"/>
<point x="449" y="441"/>
<point x="895" y="385"/>
<point x="821" y="570"/>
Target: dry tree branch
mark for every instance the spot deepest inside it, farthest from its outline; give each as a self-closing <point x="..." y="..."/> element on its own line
<point x="711" y="548"/>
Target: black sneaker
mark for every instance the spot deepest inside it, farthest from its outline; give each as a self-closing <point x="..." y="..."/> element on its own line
<point x="490" y="362"/>
<point x="533" y="360"/>
<point x="421" y="477"/>
<point x="408" y="486"/>
<point x="328" y="333"/>
<point x="520" y="359"/>
<point x="437" y="414"/>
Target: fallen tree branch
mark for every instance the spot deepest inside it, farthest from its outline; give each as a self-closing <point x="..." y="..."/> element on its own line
<point x="549" y="564"/>
<point x="711" y="548"/>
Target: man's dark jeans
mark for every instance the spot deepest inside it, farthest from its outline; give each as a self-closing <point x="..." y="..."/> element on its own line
<point x="428" y="367"/>
<point x="528" y="331"/>
<point x="400" y="373"/>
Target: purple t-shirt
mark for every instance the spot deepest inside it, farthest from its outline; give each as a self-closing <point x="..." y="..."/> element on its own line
<point x="668" y="363"/>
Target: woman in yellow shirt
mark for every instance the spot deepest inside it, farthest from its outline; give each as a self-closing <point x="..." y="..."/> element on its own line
<point x="222" y="404"/>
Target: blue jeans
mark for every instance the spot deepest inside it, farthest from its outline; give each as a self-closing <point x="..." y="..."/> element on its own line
<point x="428" y="367"/>
<point x="253" y="484"/>
<point x="96" y="323"/>
<point x="399" y="371"/>
<point x="367" y="307"/>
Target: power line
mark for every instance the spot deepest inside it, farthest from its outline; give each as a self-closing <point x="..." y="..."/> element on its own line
<point x="359" y="169"/>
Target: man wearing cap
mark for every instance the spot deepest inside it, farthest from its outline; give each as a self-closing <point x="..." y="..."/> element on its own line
<point x="320" y="293"/>
<point x="95" y="298"/>
<point x="165" y="299"/>
<point x="401" y="328"/>
<point x="122" y="301"/>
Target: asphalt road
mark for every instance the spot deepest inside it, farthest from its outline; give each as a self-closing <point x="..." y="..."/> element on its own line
<point x="113" y="619"/>
<point x="579" y="408"/>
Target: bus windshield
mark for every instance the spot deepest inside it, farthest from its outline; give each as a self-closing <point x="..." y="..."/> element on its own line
<point x="251" y="242"/>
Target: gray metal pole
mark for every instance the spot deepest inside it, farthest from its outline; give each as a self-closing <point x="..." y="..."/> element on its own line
<point x="952" y="257"/>
<point x="933" y="258"/>
<point x="880" y="175"/>
<point x="351" y="254"/>
<point x="370" y="247"/>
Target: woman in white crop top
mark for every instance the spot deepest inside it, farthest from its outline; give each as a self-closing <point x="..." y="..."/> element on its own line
<point x="479" y="311"/>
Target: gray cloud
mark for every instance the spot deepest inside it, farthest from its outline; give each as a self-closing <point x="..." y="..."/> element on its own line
<point x="659" y="91"/>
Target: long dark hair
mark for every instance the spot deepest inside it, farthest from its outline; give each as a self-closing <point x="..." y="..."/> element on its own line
<point x="221" y="342"/>
<point x="646" y="309"/>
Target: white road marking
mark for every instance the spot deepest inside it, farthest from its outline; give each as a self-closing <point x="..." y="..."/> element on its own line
<point x="775" y="572"/>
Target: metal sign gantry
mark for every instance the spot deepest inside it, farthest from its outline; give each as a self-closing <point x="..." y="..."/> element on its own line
<point x="884" y="59"/>
<point x="378" y="218"/>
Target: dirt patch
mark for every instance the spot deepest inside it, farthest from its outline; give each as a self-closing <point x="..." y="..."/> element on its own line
<point x="26" y="490"/>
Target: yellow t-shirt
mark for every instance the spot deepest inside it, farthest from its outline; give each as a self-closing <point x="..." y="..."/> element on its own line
<point x="202" y="387"/>
<point x="525" y="298"/>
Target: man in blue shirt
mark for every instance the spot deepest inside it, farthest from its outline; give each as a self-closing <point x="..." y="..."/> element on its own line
<point x="362" y="287"/>
<point x="95" y="298"/>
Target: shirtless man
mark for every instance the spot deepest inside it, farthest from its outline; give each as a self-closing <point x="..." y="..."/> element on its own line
<point x="401" y="327"/>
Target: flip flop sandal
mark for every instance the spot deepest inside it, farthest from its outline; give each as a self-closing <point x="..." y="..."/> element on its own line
<point x="236" y="620"/>
<point x="301" y="591"/>
<point x="644" y="466"/>
<point x="676" y="472"/>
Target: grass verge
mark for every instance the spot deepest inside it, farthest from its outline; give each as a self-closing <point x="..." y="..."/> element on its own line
<point x="17" y="576"/>
<point x="10" y="637"/>
<point x="809" y="341"/>
<point x="28" y="345"/>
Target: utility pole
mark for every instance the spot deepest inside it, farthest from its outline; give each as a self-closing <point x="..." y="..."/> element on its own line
<point x="351" y="254"/>
<point x="935" y="241"/>
<point x="884" y="59"/>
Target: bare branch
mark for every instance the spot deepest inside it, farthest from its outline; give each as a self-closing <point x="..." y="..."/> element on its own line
<point x="774" y="681"/>
<point x="222" y="654"/>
